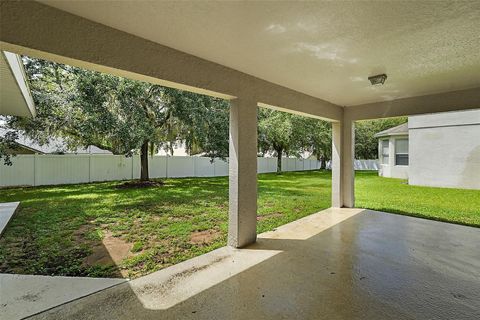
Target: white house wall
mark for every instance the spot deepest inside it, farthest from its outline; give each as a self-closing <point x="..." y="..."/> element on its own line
<point x="445" y="150"/>
<point x="399" y="172"/>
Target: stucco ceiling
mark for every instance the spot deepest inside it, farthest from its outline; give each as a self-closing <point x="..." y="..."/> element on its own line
<point x="325" y="49"/>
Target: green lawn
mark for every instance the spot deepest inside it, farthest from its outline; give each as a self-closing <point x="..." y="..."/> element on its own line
<point x="59" y="230"/>
<point x="99" y="230"/>
<point x="396" y="196"/>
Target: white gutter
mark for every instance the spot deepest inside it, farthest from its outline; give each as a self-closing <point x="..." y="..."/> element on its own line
<point x="16" y="66"/>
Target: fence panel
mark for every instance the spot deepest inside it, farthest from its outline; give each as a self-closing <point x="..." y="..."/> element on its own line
<point x="179" y="167"/>
<point x="157" y="167"/>
<point x="263" y="165"/>
<point x="61" y="169"/>
<point x="221" y="167"/>
<point x="111" y="167"/>
<point x="204" y="167"/>
<point x="299" y="164"/>
<point x="136" y="167"/>
<point x="20" y="173"/>
<point x="272" y="164"/>
<point x="289" y="164"/>
<point x="361" y="165"/>
<point x="366" y="165"/>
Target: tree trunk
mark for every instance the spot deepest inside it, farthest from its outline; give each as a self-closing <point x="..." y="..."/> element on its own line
<point x="144" y="162"/>
<point x="323" y="162"/>
<point x="279" y="161"/>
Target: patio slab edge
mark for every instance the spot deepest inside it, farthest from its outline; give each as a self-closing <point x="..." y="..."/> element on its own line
<point x="7" y="210"/>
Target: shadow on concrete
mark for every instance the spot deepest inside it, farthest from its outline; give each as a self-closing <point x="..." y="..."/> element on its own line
<point x="372" y="265"/>
<point x="426" y="217"/>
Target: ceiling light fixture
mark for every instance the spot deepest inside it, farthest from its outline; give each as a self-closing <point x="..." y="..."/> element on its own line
<point x="378" y="79"/>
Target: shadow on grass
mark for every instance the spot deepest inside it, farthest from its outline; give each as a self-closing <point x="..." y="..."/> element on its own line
<point x="42" y="237"/>
<point x="422" y="216"/>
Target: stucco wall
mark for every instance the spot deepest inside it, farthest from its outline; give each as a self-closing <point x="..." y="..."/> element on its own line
<point x="400" y="172"/>
<point x="445" y="150"/>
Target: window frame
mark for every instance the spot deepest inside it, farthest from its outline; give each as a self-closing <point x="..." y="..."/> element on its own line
<point x="384" y="156"/>
<point x="407" y="154"/>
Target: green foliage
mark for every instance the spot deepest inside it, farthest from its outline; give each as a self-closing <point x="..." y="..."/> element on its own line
<point x="120" y="115"/>
<point x="366" y="145"/>
<point x="7" y="145"/>
<point x="315" y="136"/>
<point x="275" y="132"/>
<point x="202" y="123"/>
<point x="137" y="246"/>
<point x="287" y="134"/>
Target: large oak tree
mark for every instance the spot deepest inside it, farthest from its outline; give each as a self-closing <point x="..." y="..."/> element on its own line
<point x="123" y="116"/>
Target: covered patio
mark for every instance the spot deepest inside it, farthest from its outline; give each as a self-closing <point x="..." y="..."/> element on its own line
<point x="335" y="264"/>
<point x="312" y="59"/>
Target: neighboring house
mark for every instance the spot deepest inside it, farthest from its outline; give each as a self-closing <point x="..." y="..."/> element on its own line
<point x="393" y="152"/>
<point x="54" y="146"/>
<point x="439" y="150"/>
<point x="179" y="150"/>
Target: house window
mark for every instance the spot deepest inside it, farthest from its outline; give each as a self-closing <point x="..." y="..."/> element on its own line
<point x="401" y="152"/>
<point x="384" y="152"/>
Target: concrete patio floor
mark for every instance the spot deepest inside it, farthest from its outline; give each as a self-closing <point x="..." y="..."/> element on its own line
<point x="7" y="210"/>
<point x="336" y="264"/>
<point x="25" y="295"/>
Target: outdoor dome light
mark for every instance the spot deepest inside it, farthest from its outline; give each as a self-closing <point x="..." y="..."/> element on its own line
<point x="378" y="79"/>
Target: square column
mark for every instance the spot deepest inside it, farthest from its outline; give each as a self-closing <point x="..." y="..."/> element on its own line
<point x="242" y="221"/>
<point x="343" y="155"/>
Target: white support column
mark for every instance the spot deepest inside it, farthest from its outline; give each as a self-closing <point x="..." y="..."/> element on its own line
<point x="348" y="174"/>
<point x="242" y="224"/>
<point x="343" y="174"/>
<point x="337" y="197"/>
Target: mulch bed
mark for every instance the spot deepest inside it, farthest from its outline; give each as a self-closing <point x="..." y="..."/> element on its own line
<point x="139" y="184"/>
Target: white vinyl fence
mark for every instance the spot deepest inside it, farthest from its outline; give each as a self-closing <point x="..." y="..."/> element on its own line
<point x="361" y="165"/>
<point x="37" y="170"/>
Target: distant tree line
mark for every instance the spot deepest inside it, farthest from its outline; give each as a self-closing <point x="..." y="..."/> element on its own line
<point x="366" y="145"/>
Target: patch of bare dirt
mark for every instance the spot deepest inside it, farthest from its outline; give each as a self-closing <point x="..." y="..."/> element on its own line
<point x="111" y="251"/>
<point x="204" y="237"/>
<point x="139" y="184"/>
<point x="270" y="215"/>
